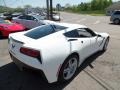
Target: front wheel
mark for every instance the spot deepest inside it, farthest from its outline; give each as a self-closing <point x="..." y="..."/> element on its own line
<point x="116" y="21"/>
<point x="105" y="44"/>
<point x="68" y="68"/>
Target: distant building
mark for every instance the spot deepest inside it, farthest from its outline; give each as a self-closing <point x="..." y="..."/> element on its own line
<point x="113" y="7"/>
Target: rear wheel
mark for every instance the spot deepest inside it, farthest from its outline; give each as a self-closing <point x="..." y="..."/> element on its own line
<point x="1" y="36"/>
<point x="68" y="68"/>
<point x="20" y="68"/>
<point x="106" y="44"/>
<point x="116" y="21"/>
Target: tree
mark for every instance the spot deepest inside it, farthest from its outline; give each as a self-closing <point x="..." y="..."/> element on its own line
<point x="110" y="2"/>
<point x="18" y="9"/>
<point x="100" y="4"/>
<point x="94" y="5"/>
<point x="67" y="5"/>
<point x="105" y="4"/>
<point x="27" y="6"/>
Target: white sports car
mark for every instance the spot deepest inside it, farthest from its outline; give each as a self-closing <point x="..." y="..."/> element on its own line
<point x="57" y="50"/>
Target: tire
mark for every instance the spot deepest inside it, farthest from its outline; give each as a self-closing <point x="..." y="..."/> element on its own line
<point x="116" y="21"/>
<point x="1" y="36"/>
<point x="20" y="68"/>
<point x="105" y="44"/>
<point x="67" y="71"/>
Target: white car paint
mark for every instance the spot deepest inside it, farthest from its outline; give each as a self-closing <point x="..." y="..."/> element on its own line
<point x="56" y="17"/>
<point x="54" y="49"/>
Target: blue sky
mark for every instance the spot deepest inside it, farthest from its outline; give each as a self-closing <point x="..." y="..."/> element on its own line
<point x="40" y="3"/>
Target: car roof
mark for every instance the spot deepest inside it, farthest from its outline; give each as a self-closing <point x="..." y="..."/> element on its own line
<point x="69" y="26"/>
<point x="26" y="15"/>
<point x="117" y="10"/>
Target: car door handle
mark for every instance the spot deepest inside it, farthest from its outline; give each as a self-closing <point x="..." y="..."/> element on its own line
<point x="81" y="41"/>
<point x="72" y="39"/>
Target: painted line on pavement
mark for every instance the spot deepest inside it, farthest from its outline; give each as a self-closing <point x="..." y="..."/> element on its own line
<point x="72" y="19"/>
<point x="98" y="21"/>
<point x="81" y="20"/>
<point x="98" y="80"/>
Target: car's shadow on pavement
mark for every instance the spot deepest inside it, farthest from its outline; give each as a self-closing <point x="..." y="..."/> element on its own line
<point x="3" y="38"/>
<point x="113" y="24"/>
<point x="13" y="79"/>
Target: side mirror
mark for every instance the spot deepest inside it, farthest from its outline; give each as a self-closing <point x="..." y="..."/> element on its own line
<point x="35" y="20"/>
<point x="99" y="35"/>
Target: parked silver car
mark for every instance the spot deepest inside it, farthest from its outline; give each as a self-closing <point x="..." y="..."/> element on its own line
<point x="56" y="17"/>
<point x="115" y="17"/>
<point x="30" y="21"/>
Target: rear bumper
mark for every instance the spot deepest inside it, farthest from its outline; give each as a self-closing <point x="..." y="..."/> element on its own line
<point x="23" y="66"/>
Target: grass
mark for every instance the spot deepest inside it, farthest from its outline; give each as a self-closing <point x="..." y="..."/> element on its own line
<point x="93" y="13"/>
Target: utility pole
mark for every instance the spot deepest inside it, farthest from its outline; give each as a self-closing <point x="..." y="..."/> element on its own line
<point x="51" y="10"/>
<point x="48" y="13"/>
<point x="4" y="3"/>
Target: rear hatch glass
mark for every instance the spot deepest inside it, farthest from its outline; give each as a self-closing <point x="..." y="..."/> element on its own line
<point x="40" y="32"/>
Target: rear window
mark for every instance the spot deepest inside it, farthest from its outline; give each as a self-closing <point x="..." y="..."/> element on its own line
<point x="40" y="32"/>
<point x="117" y="13"/>
<point x="5" y="22"/>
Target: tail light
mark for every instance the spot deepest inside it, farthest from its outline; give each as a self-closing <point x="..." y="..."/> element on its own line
<point x="31" y="53"/>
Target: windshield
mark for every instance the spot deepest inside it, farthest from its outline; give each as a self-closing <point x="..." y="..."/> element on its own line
<point x="5" y="22"/>
<point x="39" y="17"/>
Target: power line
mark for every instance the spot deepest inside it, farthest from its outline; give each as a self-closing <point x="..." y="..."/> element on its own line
<point x="14" y="2"/>
<point x="22" y="3"/>
<point x="4" y="3"/>
<point x="11" y="3"/>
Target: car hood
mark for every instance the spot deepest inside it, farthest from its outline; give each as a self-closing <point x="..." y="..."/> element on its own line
<point x="13" y="27"/>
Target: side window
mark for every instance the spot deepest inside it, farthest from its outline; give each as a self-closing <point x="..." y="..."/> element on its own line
<point x="83" y="33"/>
<point x="30" y="18"/>
<point x="22" y="17"/>
<point x="117" y="13"/>
<point x="72" y="34"/>
<point x="90" y="31"/>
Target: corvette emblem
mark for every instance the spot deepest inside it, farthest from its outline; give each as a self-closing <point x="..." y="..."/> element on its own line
<point x="13" y="46"/>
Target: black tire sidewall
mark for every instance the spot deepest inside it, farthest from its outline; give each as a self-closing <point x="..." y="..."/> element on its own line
<point x="115" y="21"/>
<point x="1" y="36"/>
<point x="104" y="48"/>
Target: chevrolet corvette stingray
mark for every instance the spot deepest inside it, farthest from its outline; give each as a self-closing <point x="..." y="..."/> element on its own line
<point x="57" y="49"/>
<point x="7" y="27"/>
